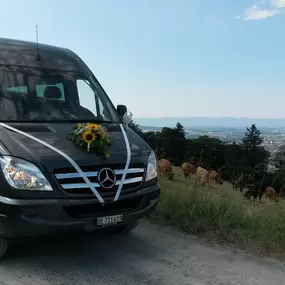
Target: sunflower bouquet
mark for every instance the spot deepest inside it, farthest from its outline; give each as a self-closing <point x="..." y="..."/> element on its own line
<point x="91" y="136"/>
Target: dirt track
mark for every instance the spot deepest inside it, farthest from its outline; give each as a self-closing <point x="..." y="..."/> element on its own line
<point x="150" y="255"/>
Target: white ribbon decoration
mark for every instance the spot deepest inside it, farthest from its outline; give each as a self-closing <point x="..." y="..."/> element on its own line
<point x="72" y="162"/>
<point x="75" y="165"/>
<point x="127" y="163"/>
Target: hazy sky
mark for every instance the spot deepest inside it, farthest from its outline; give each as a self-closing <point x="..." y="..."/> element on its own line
<point x="169" y="58"/>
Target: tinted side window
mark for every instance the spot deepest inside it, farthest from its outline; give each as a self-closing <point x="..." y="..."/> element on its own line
<point x="18" y="89"/>
<point x="88" y="98"/>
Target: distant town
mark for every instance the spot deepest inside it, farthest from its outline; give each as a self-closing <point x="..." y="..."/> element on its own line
<point x="225" y="128"/>
<point x="273" y="137"/>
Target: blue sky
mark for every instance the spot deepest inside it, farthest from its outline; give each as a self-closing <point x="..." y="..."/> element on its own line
<point x="169" y="58"/>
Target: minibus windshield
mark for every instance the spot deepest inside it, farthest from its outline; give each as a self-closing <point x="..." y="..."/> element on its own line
<point x="31" y="95"/>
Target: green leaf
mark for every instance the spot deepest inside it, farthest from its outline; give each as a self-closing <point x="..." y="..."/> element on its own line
<point x="107" y="154"/>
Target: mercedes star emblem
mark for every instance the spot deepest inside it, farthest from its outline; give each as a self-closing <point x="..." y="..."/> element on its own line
<point x="107" y="178"/>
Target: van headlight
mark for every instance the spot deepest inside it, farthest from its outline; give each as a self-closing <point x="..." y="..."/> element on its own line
<point x="151" y="167"/>
<point x="23" y="175"/>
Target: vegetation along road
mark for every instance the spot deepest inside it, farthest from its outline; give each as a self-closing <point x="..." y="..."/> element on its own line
<point x="150" y="255"/>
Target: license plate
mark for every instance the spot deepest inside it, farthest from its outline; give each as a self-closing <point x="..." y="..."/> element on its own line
<point x="109" y="220"/>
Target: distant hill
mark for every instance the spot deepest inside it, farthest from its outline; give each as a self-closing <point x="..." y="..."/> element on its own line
<point x="150" y="128"/>
<point x="225" y="122"/>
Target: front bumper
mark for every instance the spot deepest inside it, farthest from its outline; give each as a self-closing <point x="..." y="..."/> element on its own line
<point x="31" y="218"/>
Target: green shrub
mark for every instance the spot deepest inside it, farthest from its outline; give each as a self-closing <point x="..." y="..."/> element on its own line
<point x="221" y="211"/>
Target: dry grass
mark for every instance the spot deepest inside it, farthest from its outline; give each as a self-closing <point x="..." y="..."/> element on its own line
<point x="223" y="213"/>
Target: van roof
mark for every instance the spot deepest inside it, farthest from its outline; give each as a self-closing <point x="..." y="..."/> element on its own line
<point x="23" y="53"/>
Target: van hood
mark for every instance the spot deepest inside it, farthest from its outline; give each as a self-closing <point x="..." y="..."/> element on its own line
<point x="55" y="134"/>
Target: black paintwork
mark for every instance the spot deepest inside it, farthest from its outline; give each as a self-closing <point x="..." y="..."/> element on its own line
<point x="49" y="161"/>
<point x="122" y="110"/>
<point x="45" y="217"/>
<point x="23" y="53"/>
<point x="37" y="212"/>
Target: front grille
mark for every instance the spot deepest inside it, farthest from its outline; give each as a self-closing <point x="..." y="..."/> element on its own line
<point x="90" y="210"/>
<point x="72" y="183"/>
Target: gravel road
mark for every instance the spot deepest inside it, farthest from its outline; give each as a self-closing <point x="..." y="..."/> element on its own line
<point x="150" y="255"/>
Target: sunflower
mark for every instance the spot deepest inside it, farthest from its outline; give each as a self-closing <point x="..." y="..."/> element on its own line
<point x="94" y="127"/>
<point x="88" y="137"/>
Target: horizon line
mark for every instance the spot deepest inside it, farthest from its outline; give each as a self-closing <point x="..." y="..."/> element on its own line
<point x="213" y="117"/>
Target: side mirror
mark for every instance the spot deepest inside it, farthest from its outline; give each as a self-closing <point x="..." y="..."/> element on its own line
<point x="122" y="110"/>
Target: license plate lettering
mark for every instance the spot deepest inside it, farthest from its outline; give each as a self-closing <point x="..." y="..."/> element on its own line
<point x="109" y="220"/>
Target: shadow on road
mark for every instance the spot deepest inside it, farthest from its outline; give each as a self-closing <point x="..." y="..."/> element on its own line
<point x="85" y="258"/>
<point x="86" y="245"/>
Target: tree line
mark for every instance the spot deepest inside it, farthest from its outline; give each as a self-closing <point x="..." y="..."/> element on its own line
<point x="232" y="159"/>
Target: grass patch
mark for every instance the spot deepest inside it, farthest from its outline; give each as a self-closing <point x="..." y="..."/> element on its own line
<point x="223" y="213"/>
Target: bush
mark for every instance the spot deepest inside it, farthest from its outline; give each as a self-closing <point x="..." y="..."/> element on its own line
<point x="221" y="211"/>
